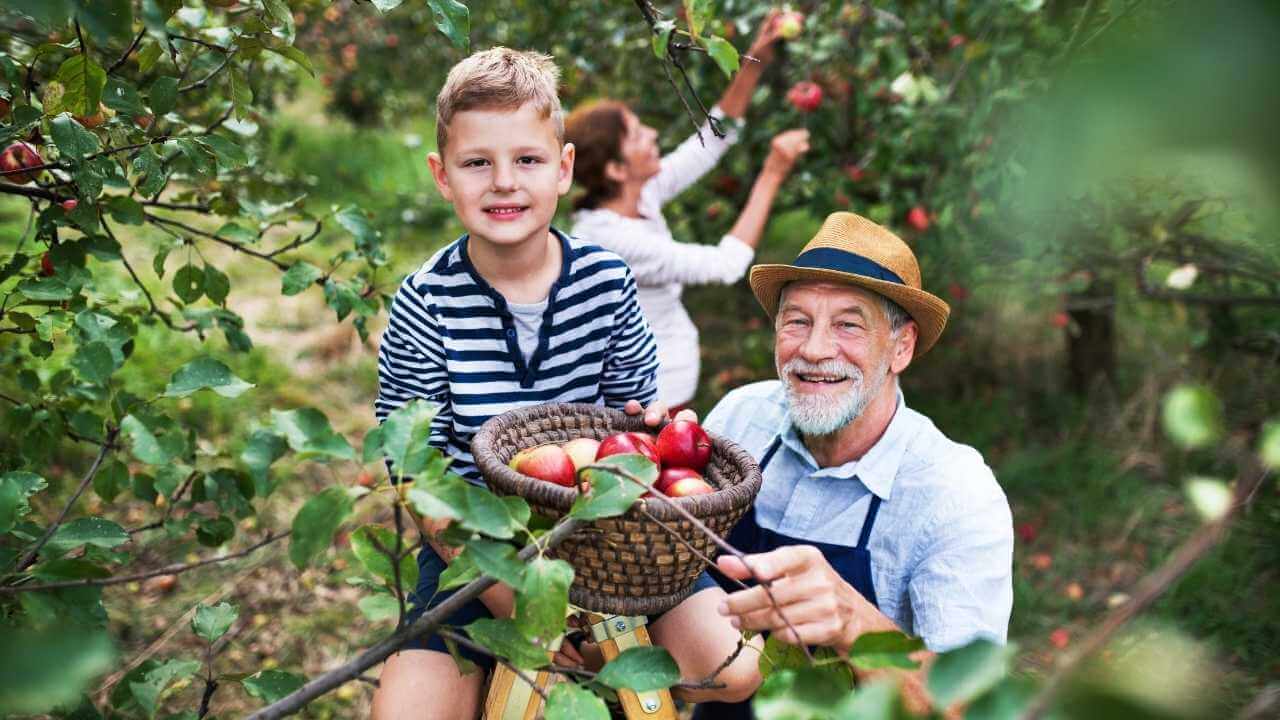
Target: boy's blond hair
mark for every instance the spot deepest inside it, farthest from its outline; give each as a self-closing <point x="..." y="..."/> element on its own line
<point x="499" y="79"/>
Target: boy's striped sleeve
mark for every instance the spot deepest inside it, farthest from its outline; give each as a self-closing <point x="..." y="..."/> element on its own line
<point x="631" y="366"/>
<point x="411" y="362"/>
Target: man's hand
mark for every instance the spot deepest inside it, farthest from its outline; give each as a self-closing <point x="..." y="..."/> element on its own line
<point x="821" y="607"/>
<point x="656" y="413"/>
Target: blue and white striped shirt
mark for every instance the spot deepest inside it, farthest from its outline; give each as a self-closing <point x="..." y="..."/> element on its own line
<point x="451" y="339"/>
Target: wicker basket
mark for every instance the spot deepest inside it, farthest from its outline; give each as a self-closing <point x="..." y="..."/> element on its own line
<point x="626" y="565"/>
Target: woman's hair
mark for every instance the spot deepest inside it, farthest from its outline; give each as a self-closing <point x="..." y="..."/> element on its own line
<point x="596" y="130"/>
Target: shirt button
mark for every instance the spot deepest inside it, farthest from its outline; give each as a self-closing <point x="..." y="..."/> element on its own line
<point x="511" y="333"/>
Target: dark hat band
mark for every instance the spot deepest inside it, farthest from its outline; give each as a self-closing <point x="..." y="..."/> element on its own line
<point x="829" y="258"/>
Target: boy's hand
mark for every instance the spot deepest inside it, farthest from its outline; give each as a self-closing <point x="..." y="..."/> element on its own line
<point x="657" y="412"/>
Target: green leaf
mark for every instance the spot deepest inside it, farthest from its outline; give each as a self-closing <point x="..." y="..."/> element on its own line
<point x="147" y="692"/>
<point x="965" y="673"/>
<point x="216" y="285"/>
<point x="1192" y="416"/>
<point x="299" y="277"/>
<point x="698" y="12"/>
<point x="504" y="639"/>
<point x="188" y="283"/>
<point x="567" y="701"/>
<point x="462" y="570"/>
<point x="82" y="80"/>
<point x="798" y="695"/>
<point x="297" y="56"/>
<point x="640" y="668"/>
<point x="1008" y="700"/>
<point x="379" y="608"/>
<point x="1269" y="445"/>
<point x="475" y="508"/>
<point x="239" y="233"/>
<point x="205" y="373"/>
<point x="354" y="220"/>
<point x="106" y="19"/>
<point x="281" y="16"/>
<point x="11" y="499"/>
<point x="148" y="56"/>
<point x="874" y="701"/>
<point x="272" y="685"/>
<point x="308" y="433"/>
<point x="264" y="447"/>
<point x="315" y="524"/>
<point x="213" y="622"/>
<point x="48" y="669"/>
<point x="71" y="138"/>
<point x="723" y="52"/>
<point x="241" y="92"/>
<point x="163" y="95"/>
<point x="453" y="19"/>
<point x="365" y="542"/>
<point x="149" y="173"/>
<point x="122" y="97"/>
<point x="147" y="446"/>
<point x="228" y="154"/>
<point x="404" y="437"/>
<point x="872" y="651"/>
<point x="86" y="531"/>
<point x="662" y="37"/>
<point x="45" y="289"/>
<point x="543" y="598"/>
<point x="498" y="560"/>
<point x="111" y="480"/>
<point x="93" y="362"/>
<point x="202" y="163"/>
<point x="387" y="5"/>
<point x="126" y="210"/>
<point x="214" y="532"/>
<point x="611" y="494"/>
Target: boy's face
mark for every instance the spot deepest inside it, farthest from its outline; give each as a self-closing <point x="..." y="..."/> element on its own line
<point x="504" y="171"/>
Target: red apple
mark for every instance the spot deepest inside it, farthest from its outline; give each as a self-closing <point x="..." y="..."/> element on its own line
<point x="46" y="265"/>
<point x="918" y="218"/>
<point x="805" y="96"/>
<point x="628" y="442"/>
<point x="689" y="486"/>
<point x="854" y="172"/>
<point x="4" y="107"/>
<point x="956" y="41"/>
<point x="582" y="451"/>
<point x="1060" y="320"/>
<point x="670" y="476"/>
<point x="69" y="205"/>
<point x="514" y="462"/>
<point x="19" y="156"/>
<point x="958" y="291"/>
<point x="684" y="443"/>
<point x="144" y="121"/>
<point x="790" y="23"/>
<point x="550" y="463"/>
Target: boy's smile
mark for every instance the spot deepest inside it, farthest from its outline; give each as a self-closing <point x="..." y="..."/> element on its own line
<point x="504" y="171"/>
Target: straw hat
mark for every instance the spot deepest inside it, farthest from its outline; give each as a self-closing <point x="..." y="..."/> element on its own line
<point x="851" y="249"/>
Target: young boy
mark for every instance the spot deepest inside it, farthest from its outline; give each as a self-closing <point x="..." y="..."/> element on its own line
<point x="516" y="313"/>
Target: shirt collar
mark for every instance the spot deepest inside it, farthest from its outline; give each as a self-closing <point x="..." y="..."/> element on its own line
<point x="879" y="466"/>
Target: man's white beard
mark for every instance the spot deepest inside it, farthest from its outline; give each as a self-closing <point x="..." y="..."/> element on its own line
<point x="822" y="414"/>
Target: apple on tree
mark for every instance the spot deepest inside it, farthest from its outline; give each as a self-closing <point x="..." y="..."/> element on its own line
<point x="805" y="96"/>
<point x="20" y="156"/>
<point x="790" y="23"/>
<point x="918" y="218"/>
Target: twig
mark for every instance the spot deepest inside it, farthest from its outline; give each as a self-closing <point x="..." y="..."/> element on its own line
<point x="119" y="579"/>
<point x="688" y="516"/>
<point x="164" y="316"/>
<point x="429" y="622"/>
<point x="84" y="483"/>
<point x="1151" y="587"/>
<point x="127" y="52"/>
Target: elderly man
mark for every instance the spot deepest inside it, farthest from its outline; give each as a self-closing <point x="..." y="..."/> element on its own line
<point x="869" y="518"/>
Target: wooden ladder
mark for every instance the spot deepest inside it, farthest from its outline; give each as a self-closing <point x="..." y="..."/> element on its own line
<point x="511" y="698"/>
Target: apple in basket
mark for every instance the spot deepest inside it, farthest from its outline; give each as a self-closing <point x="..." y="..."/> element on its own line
<point x="671" y="475"/>
<point x="545" y="462"/>
<point x="582" y="451"/>
<point x="687" y="486"/>
<point x="628" y="442"/>
<point x="684" y="443"/>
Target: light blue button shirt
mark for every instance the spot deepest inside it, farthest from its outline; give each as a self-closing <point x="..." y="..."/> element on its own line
<point x="942" y="544"/>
